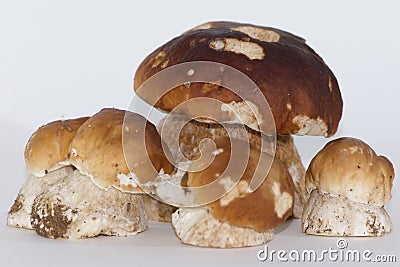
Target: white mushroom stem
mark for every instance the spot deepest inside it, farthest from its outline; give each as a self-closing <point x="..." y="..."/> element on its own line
<point x="20" y="213"/>
<point x="337" y="216"/>
<point x="66" y="204"/>
<point x="196" y="226"/>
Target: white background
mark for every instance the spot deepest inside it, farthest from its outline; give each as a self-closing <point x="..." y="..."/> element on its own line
<point x="72" y="58"/>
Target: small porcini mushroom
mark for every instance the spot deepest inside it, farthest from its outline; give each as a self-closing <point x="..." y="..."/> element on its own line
<point x="240" y="218"/>
<point x="100" y="155"/>
<point x="302" y="92"/>
<point x="349" y="186"/>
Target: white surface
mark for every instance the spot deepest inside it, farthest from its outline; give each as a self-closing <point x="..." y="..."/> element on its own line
<point x="73" y="58"/>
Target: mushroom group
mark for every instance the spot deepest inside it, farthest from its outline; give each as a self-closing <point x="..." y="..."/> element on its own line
<point x="110" y="173"/>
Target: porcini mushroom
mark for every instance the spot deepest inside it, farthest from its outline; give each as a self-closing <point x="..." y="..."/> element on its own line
<point x="240" y="218"/>
<point x="348" y="185"/>
<point x="301" y="90"/>
<point x="99" y="151"/>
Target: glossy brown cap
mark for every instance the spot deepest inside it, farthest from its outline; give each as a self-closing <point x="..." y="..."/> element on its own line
<point x="48" y="148"/>
<point x="262" y="210"/>
<point x="301" y="90"/>
<point x="97" y="150"/>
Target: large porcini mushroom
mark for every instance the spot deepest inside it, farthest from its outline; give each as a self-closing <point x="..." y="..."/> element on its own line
<point x="301" y="90"/>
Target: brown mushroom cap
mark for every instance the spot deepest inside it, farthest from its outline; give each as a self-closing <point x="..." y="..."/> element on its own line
<point x="191" y="133"/>
<point x="349" y="167"/>
<point x="263" y="209"/>
<point x="98" y="150"/>
<point x="301" y="90"/>
<point x="48" y="147"/>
